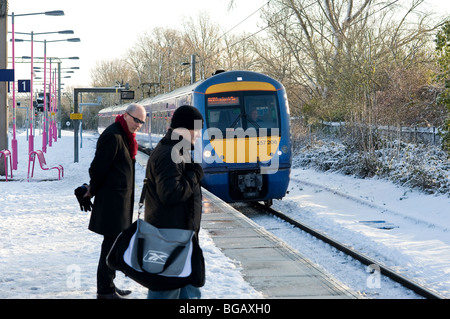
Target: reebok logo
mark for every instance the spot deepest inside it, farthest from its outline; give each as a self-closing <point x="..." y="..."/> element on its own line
<point x="156" y="257"/>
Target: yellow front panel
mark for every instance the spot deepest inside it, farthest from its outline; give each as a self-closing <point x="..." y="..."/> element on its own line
<point x="240" y="86"/>
<point x="246" y="150"/>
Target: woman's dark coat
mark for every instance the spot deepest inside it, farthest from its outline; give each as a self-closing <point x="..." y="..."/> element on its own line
<point x="173" y="195"/>
<point x="112" y="183"/>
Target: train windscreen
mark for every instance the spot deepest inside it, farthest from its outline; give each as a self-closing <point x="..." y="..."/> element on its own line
<point x="230" y="111"/>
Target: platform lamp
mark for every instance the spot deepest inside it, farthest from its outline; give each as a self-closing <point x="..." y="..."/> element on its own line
<point x="32" y="34"/>
<point x="44" y="135"/>
<point x="14" y="140"/>
<point x="59" y="60"/>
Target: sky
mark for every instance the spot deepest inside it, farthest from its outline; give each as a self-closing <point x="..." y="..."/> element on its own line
<point x="108" y="28"/>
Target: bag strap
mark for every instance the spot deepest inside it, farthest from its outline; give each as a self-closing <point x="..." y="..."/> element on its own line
<point x="141" y="200"/>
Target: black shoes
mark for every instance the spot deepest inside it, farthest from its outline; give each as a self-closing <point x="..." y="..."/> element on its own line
<point x="114" y="295"/>
<point x="118" y="294"/>
<point x="123" y="292"/>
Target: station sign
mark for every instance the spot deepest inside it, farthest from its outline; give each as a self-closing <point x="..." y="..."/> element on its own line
<point x="6" y="75"/>
<point x="76" y="116"/>
<point x="23" y="86"/>
<point x="127" y="95"/>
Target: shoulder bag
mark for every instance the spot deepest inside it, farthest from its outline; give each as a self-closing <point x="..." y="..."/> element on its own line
<point x="158" y="258"/>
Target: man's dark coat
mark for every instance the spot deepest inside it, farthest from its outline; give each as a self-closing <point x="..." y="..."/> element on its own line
<point x="112" y="183"/>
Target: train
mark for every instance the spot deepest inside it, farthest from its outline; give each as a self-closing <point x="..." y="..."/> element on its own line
<point x="245" y="147"/>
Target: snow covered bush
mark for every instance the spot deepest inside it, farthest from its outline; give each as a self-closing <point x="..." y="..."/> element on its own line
<point x="335" y="156"/>
<point x="421" y="167"/>
<point x="417" y="166"/>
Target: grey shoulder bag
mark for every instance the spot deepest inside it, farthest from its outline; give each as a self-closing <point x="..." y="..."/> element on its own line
<point x="158" y="258"/>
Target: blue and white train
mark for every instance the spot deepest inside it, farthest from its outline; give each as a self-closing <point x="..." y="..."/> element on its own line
<point x="245" y="145"/>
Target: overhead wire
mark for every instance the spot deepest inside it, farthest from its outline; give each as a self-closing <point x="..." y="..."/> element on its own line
<point x="248" y="17"/>
<point x="265" y="4"/>
<point x="283" y="18"/>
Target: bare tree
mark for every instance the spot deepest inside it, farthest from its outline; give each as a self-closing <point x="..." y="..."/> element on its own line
<point x="108" y="73"/>
<point x="238" y="53"/>
<point x="201" y="38"/>
<point x="341" y="49"/>
<point x="156" y="58"/>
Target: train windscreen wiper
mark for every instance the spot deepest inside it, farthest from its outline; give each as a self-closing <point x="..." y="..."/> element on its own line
<point x="233" y="125"/>
<point x="256" y="125"/>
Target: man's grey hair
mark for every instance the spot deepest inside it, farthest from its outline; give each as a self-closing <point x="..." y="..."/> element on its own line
<point x="132" y="107"/>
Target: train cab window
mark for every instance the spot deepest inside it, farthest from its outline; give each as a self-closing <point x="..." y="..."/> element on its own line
<point x="224" y="112"/>
<point x="261" y="111"/>
<point x="225" y="119"/>
<point x="229" y="112"/>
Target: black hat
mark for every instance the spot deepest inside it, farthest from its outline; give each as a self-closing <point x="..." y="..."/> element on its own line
<point x="184" y="116"/>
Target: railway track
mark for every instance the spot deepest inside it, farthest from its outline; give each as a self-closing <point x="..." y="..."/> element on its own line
<point x="384" y="270"/>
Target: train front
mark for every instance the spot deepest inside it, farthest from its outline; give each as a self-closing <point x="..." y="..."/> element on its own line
<point x="246" y="151"/>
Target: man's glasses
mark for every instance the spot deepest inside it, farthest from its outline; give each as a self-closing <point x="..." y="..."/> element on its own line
<point x="136" y="120"/>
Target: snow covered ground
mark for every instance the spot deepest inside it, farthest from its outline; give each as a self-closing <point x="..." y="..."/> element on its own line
<point x="46" y="250"/>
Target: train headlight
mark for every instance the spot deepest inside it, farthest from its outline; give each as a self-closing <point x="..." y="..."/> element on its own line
<point x="207" y="154"/>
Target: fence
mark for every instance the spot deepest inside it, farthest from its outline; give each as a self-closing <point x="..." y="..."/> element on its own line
<point x="424" y="135"/>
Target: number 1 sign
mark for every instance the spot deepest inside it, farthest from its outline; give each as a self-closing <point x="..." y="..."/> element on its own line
<point x="23" y="86"/>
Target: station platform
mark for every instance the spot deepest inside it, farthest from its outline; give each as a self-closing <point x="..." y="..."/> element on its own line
<point x="268" y="265"/>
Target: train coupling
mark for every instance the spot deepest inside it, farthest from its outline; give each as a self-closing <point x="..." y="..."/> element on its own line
<point x="250" y="184"/>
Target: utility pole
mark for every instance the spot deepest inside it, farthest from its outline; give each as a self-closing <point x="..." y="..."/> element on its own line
<point x="192" y="68"/>
<point x="3" y="85"/>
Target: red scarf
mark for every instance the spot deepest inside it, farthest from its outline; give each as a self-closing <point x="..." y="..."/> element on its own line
<point x="133" y="146"/>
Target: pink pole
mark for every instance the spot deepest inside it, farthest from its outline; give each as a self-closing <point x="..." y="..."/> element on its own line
<point x="44" y="131"/>
<point x="31" y="137"/>
<point x="55" y="129"/>
<point x="50" y="104"/>
<point x="14" y="140"/>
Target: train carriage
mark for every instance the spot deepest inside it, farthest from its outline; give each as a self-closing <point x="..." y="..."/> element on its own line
<point x="245" y="148"/>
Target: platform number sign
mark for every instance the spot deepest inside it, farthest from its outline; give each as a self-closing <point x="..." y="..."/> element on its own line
<point x="23" y="86"/>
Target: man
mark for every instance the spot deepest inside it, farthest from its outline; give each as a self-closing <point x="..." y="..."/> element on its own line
<point x="112" y="174"/>
<point x="173" y="196"/>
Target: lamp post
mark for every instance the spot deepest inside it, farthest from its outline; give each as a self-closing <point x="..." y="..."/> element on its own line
<point x="58" y="59"/>
<point x="192" y="64"/>
<point x="45" y="126"/>
<point x="45" y="129"/>
<point x="14" y="140"/>
<point x="55" y="127"/>
<point x="31" y="117"/>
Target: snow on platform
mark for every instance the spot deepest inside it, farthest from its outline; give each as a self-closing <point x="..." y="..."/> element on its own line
<point x="46" y="249"/>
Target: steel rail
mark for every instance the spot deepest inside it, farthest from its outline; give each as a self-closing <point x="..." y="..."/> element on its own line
<point x="384" y="270"/>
